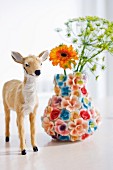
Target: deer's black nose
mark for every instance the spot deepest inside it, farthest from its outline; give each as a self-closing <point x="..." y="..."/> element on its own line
<point x="37" y="72"/>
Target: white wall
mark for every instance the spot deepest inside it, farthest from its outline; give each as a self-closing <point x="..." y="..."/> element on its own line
<point x="109" y="14"/>
<point x="27" y="26"/>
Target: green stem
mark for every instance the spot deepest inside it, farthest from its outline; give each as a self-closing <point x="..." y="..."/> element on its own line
<point x="79" y="64"/>
<point x="82" y="53"/>
<point x="65" y="72"/>
<point x="82" y="66"/>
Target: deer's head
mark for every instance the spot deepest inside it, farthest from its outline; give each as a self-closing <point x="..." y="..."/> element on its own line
<point x="31" y="64"/>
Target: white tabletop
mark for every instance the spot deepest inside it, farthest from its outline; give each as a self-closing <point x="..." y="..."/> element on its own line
<point x="95" y="153"/>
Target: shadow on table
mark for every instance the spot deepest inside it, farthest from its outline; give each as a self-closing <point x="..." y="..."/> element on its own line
<point x="46" y="141"/>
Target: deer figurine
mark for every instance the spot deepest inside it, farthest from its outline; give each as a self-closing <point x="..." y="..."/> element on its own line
<point x="22" y="97"/>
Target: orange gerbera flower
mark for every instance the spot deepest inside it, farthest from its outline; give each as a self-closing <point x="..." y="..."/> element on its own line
<point x="63" y="56"/>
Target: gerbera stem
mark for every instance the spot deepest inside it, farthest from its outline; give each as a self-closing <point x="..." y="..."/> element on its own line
<point x="65" y="72"/>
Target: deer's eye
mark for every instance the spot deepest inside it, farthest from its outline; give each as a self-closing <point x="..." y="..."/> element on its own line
<point x="41" y="64"/>
<point x="27" y="65"/>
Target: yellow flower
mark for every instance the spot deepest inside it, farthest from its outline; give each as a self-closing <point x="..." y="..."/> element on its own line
<point x="74" y="138"/>
<point x="74" y="115"/>
<point x="63" y="56"/>
<point x="57" y="90"/>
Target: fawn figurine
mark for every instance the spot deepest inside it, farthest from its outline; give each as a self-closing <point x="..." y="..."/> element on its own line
<point x="22" y="97"/>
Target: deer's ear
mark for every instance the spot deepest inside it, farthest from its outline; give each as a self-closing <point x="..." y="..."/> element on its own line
<point x="17" y="57"/>
<point x="43" y="56"/>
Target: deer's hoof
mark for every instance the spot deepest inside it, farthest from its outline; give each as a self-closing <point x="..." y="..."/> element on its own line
<point x="23" y="152"/>
<point x="35" y="149"/>
<point x="7" y="139"/>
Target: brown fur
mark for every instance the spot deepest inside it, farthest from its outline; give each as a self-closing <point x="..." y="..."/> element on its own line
<point x="13" y="99"/>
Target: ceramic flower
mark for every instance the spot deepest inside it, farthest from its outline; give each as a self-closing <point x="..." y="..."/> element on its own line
<point x="48" y="126"/>
<point x="71" y="103"/>
<point x="55" y="101"/>
<point x="98" y="119"/>
<point x="74" y="138"/>
<point x="57" y="90"/>
<point x="75" y="88"/>
<point x="60" y="79"/>
<point x="75" y="115"/>
<point x="92" y="126"/>
<point x="86" y="102"/>
<point x="85" y="114"/>
<point x="61" y="128"/>
<point x="76" y="93"/>
<point x="78" y="81"/>
<point x="70" y="79"/>
<point x="48" y="110"/>
<point x="84" y="91"/>
<point x="65" y="115"/>
<point x="84" y="136"/>
<point x="78" y="127"/>
<point x="93" y="112"/>
<point x="64" y="138"/>
<point x="63" y="56"/>
<point x="55" y="114"/>
<point x="65" y="91"/>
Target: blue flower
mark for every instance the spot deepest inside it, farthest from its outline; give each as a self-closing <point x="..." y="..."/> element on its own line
<point x="95" y="128"/>
<point x="65" y="91"/>
<point x="92" y="126"/>
<point x="64" y="138"/>
<point x="91" y="123"/>
<point x="89" y="130"/>
<point x="60" y="79"/>
<point x="86" y="103"/>
<point x="65" y="115"/>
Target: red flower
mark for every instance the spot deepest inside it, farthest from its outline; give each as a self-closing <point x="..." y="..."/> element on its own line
<point x="83" y="90"/>
<point x="54" y="114"/>
<point x="85" y="115"/>
<point x="84" y="136"/>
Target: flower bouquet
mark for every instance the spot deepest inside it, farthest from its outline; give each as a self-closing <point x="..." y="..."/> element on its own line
<point x="70" y="114"/>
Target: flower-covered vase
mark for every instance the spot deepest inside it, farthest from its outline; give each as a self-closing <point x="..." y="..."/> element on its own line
<point x="70" y="114"/>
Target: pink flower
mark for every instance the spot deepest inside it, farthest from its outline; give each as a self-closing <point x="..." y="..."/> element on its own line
<point x="78" y="81"/>
<point x="70" y="79"/>
<point x="85" y="114"/>
<point x="98" y="119"/>
<point x="78" y="127"/>
<point x="61" y="128"/>
<point x="55" y="101"/>
<point x="48" y="110"/>
<point x="93" y="113"/>
<point x="71" y="103"/>
<point x="48" y="126"/>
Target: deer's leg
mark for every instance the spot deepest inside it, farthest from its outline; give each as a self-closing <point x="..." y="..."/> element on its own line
<point x="32" y="118"/>
<point x="20" y="122"/>
<point x="7" y="121"/>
